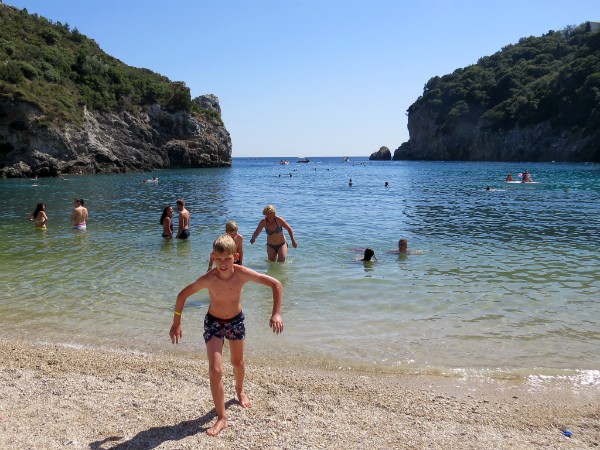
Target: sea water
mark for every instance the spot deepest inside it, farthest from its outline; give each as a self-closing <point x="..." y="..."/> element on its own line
<point x="506" y="281"/>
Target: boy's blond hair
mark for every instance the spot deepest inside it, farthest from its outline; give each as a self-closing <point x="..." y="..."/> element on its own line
<point x="225" y="244"/>
<point x="231" y="227"/>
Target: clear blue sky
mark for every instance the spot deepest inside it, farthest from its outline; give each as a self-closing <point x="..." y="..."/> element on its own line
<point x="310" y="77"/>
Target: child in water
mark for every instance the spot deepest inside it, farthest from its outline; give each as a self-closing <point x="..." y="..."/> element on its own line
<point x="231" y="228"/>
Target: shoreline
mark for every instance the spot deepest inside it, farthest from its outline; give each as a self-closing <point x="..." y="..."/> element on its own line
<point x="57" y="397"/>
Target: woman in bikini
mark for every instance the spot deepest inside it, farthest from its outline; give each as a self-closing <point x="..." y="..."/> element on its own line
<point x="277" y="246"/>
<point x="39" y="216"/>
<point x="166" y="220"/>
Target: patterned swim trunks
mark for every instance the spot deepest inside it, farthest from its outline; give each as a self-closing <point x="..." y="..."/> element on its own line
<point x="232" y="329"/>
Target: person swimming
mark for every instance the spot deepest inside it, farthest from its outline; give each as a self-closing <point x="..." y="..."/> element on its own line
<point x="369" y="254"/>
<point x="403" y="249"/>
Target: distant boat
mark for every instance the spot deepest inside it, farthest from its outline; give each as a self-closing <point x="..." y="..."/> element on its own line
<point x="346" y="158"/>
<point x="284" y="161"/>
<point x="303" y="160"/>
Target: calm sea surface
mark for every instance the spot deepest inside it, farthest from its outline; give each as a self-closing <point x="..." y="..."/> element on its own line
<point x="508" y="282"/>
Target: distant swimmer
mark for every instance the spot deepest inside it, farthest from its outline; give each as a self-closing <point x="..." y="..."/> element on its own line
<point x="79" y="215"/>
<point x="350" y="182"/>
<point x="403" y="249"/>
<point x="368" y="255"/>
<point x="509" y="177"/>
<point x="387" y="184"/>
<point x="39" y="216"/>
<point x="527" y="177"/>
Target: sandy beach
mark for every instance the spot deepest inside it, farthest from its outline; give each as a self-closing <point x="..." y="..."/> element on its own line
<point x="57" y="397"/>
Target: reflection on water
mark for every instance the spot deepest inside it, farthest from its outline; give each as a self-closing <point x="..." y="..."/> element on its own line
<point x="507" y="278"/>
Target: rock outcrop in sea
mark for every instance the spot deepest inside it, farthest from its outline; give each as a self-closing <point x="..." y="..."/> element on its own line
<point x="383" y="154"/>
<point x="111" y="142"/>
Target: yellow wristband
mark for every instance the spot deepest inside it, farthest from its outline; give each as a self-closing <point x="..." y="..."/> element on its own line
<point x="177" y="313"/>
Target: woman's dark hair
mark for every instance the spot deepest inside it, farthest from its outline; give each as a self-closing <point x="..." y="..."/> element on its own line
<point x="38" y="208"/>
<point x="369" y="253"/>
<point x="164" y="214"/>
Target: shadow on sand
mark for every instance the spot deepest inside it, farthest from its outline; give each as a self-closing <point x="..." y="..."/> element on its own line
<point x="155" y="436"/>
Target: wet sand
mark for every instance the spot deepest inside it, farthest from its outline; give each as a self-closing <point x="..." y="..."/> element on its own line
<point x="56" y="397"/>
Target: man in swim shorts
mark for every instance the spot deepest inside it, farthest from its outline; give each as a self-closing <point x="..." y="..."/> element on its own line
<point x="79" y="214"/>
<point x="183" y="232"/>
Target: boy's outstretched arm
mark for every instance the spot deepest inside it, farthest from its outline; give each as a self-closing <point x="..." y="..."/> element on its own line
<point x="176" y="332"/>
<point x="276" y="322"/>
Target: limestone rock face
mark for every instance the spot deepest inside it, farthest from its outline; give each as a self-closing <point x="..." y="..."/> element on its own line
<point x="472" y="142"/>
<point x="383" y="154"/>
<point x="111" y="142"/>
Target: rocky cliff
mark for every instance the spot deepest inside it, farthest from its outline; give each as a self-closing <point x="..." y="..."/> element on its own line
<point x="536" y="100"/>
<point x="472" y="142"/>
<point x="110" y="142"/>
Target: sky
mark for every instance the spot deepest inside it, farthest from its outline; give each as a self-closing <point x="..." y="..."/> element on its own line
<point x="300" y="78"/>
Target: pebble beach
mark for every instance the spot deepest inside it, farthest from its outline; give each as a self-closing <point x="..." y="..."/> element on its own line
<point x="57" y="397"/>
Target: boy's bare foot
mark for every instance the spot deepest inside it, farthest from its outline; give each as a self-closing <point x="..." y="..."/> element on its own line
<point x="219" y="425"/>
<point x="244" y="400"/>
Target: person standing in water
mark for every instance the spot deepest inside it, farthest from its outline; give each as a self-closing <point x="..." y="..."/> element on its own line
<point x="277" y="246"/>
<point x="39" y="216"/>
<point x="231" y="229"/>
<point x="166" y="220"/>
<point x="183" y="231"/>
<point x="79" y="215"/>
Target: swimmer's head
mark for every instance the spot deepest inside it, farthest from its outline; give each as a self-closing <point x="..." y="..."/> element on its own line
<point x="369" y="253"/>
<point x="402" y="245"/>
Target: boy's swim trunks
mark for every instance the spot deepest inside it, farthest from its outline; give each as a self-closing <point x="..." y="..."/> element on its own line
<point x="232" y="329"/>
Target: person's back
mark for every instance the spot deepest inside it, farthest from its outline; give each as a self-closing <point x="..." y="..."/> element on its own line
<point x="79" y="215"/>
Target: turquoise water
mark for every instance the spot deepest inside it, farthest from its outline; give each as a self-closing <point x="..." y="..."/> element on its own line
<point x="507" y="282"/>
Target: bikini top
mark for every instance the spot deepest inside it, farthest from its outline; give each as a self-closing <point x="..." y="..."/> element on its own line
<point x="278" y="229"/>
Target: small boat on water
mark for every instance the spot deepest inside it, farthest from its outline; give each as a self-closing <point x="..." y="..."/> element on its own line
<point x="346" y="158"/>
<point x="303" y="160"/>
<point x="284" y="162"/>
